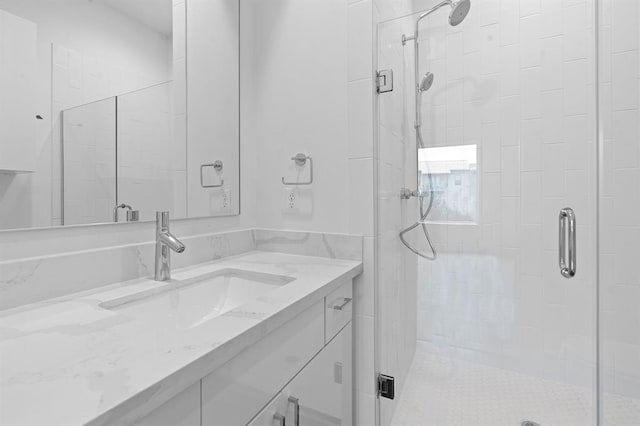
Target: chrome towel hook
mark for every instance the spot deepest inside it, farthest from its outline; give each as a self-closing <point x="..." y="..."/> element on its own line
<point x="300" y="160"/>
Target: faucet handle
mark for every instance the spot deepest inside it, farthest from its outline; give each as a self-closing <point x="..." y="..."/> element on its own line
<point x="162" y="219"/>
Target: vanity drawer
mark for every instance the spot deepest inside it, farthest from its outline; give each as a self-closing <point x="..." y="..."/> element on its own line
<point x="235" y="392"/>
<point x="338" y="310"/>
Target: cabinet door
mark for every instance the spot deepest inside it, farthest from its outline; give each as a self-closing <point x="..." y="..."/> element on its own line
<point x="181" y="410"/>
<point x="274" y="413"/>
<point x="323" y="389"/>
<point x="239" y="389"/>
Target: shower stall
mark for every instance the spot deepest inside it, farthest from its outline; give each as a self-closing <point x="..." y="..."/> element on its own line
<point x="508" y="157"/>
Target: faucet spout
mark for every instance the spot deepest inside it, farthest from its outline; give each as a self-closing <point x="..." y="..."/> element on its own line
<point x="172" y="242"/>
<point x="165" y="242"/>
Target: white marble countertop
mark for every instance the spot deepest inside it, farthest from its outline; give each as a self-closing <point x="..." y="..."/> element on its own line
<point x="69" y="361"/>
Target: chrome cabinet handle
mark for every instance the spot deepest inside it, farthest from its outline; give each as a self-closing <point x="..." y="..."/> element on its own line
<point x="345" y="302"/>
<point x="296" y="410"/>
<point x="567" y="217"/>
<point x="280" y="419"/>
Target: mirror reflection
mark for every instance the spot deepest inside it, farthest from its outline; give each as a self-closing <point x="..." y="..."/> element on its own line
<point x="93" y="100"/>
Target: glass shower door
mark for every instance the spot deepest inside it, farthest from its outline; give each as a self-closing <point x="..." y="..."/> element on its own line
<point x="619" y="203"/>
<point x="490" y="332"/>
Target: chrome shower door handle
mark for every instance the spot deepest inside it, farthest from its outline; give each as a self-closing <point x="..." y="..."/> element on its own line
<point x="567" y="242"/>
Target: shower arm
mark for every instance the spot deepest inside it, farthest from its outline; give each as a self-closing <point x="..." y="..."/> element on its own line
<point x="424" y="15"/>
<point x="430" y="11"/>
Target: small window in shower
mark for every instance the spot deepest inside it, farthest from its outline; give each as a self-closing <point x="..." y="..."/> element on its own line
<point x="450" y="174"/>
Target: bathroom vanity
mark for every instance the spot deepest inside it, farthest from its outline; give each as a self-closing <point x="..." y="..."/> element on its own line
<point x="256" y="338"/>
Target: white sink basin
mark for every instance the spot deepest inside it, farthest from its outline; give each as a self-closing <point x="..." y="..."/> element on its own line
<point x="191" y="301"/>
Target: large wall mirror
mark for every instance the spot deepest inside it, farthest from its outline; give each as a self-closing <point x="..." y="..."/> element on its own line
<point x="113" y="109"/>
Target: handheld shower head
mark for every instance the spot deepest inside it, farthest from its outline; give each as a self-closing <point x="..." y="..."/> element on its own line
<point x="459" y="11"/>
<point x="427" y="82"/>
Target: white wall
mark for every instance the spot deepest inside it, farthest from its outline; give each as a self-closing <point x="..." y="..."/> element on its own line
<point x="17" y="109"/>
<point x="17" y="87"/>
<point x="294" y="58"/>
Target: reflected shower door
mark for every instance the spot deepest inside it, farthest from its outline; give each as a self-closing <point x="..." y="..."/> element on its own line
<point x="490" y="332"/>
<point x="151" y="160"/>
<point x="89" y="163"/>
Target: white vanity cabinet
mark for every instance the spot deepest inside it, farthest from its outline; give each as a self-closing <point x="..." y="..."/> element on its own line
<point x="299" y="374"/>
<point x="323" y="389"/>
<point x="235" y="392"/>
<point x="308" y="359"/>
<point x="320" y="395"/>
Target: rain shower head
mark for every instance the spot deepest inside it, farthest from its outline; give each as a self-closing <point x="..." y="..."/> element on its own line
<point x="459" y="11"/>
<point x="427" y="82"/>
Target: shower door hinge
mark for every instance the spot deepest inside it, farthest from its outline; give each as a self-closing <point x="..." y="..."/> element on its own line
<point x="384" y="81"/>
<point x="386" y="386"/>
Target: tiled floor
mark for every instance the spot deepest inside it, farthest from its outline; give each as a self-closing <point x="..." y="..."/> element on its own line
<point x="444" y="392"/>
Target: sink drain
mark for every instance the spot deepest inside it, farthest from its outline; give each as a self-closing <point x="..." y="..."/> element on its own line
<point x="528" y="423"/>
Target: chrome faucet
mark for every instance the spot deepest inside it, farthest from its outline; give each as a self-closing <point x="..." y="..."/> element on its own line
<point x="165" y="242"/>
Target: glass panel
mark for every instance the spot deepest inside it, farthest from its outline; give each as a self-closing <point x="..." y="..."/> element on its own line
<point x="619" y="204"/>
<point x="151" y="162"/>
<point x="396" y="266"/>
<point x="489" y="332"/>
<point x="89" y="158"/>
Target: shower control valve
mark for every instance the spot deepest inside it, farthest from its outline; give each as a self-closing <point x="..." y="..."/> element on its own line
<point x="406" y="193"/>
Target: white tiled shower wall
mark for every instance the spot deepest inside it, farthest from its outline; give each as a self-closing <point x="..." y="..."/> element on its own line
<point x="620" y="197"/>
